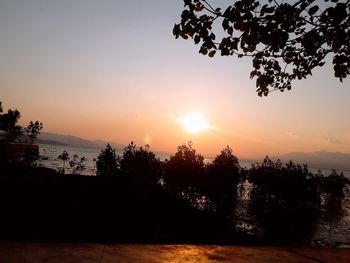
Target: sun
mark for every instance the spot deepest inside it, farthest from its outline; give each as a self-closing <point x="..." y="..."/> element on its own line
<point x="194" y="122"/>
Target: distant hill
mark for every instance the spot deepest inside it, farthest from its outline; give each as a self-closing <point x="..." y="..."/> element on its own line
<point x="60" y="139"/>
<point x="43" y="141"/>
<point x="320" y="159"/>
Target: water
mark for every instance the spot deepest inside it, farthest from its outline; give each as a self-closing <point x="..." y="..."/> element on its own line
<point x="49" y="157"/>
<point x="50" y="153"/>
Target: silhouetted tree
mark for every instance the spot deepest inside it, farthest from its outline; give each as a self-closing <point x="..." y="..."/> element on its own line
<point x="290" y="186"/>
<point x="286" y="40"/>
<point x="8" y="124"/>
<point x="77" y="164"/>
<point x="140" y="165"/>
<point x="184" y="172"/>
<point x="285" y="198"/>
<point x="107" y="162"/>
<point x="33" y="130"/>
<point x="221" y="180"/>
<point x="11" y="130"/>
<point x="64" y="156"/>
<point x="333" y="189"/>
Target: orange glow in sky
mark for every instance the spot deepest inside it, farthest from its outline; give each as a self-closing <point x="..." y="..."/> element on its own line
<point x="112" y="71"/>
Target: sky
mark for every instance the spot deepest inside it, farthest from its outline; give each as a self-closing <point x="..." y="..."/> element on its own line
<point x="112" y="70"/>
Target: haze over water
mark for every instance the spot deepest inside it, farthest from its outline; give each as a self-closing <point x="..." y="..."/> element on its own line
<point x="49" y="154"/>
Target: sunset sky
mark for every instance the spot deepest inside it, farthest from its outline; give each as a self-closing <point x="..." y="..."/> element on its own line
<point x="112" y="70"/>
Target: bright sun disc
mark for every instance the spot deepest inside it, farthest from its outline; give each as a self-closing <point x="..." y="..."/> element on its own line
<point x="194" y="122"/>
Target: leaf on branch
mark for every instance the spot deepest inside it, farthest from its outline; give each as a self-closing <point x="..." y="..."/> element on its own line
<point x="262" y="11"/>
<point x="212" y="53"/>
<point x="225" y="24"/>
<point x="274" y="35"/>
<point x="197" y="39"/>
<point x="230" y="30"/>
<point x="187" y="2"/>
<point x="184" y="36"/>
<point x="203" y="50"/>
<point x="176" y="31"/>
<point x="313" y="10"/>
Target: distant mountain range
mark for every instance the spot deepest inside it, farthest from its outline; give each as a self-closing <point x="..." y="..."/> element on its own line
<point x="69" y="140"/>
<point x="315" y="160"/>
<point x="321" y="159"/>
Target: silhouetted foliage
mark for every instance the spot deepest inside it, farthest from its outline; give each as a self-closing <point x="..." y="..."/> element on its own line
<point x="184" y="172"/>
<point x="8" y="124"/>
<point x="33" y="130"/>
<point x="64" y="156"/>
<point x="107" y="162"/>
<point x="285" y="187"/>
<point x="286" y="40"/>
<point x="140" y="165"/>
<point x="333" y="187"/>
<point x="11" y="130"/>
<point x="221" y="180"/>
<point x="179" y="200"/>
<point x="77" y="164"/>
<point x="286" y="199"/>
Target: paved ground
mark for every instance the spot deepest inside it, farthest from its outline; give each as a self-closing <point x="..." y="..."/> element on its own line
<point x="99" y="253"/>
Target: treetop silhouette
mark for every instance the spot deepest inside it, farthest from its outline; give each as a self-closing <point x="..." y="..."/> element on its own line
<point x="10" y="130"/>
<point x="285" y="40"/>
